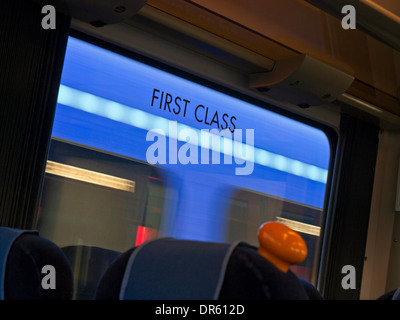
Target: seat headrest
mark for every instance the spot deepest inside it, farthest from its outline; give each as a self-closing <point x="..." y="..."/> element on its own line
<point x="32" y="267"/>
<point x="170" y="269"/>
<point x="182" y="269"/>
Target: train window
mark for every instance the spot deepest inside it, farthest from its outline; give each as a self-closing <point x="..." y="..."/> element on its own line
<point x="138" y="152"/>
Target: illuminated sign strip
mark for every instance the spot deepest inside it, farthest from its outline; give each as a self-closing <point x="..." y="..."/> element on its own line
<point x="300" y="226"/>
<point x="89" y="176"/>
<point x="115" y="111"/>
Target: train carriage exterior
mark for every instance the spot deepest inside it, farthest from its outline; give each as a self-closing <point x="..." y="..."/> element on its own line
<point x="166" y="123"/>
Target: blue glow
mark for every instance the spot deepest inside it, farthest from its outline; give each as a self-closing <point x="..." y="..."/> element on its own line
<point x="110" y="102"/>
<point x="138" y="119"/>
<point x="118" y="112"/>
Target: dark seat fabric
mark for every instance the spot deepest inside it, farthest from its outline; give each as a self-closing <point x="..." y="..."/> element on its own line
<point x="391" y="295"/>
<point x="247" y="276"/>
<point x="170" y="269"/>
<point x="312" y="291"/>
<point x="23" y="261"/>
<point x="251" y="276"/>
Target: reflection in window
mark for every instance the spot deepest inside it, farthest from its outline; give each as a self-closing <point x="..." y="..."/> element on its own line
<point x="249" y="209"/>
<point x="95" y="206"/>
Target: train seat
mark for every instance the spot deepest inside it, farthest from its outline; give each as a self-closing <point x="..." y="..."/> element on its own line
<point x="391" y="295"/>
<point x="32" y="267"/>
<point x="172" y="269"/>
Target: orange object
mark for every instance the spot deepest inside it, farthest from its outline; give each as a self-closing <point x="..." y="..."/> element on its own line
<point x="281" y="245"/>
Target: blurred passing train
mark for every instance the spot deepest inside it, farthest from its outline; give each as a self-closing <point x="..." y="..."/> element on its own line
<point x="192" y="122"/>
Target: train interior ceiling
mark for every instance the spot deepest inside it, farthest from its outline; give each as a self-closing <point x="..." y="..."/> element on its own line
<point x="319" y="94"/>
